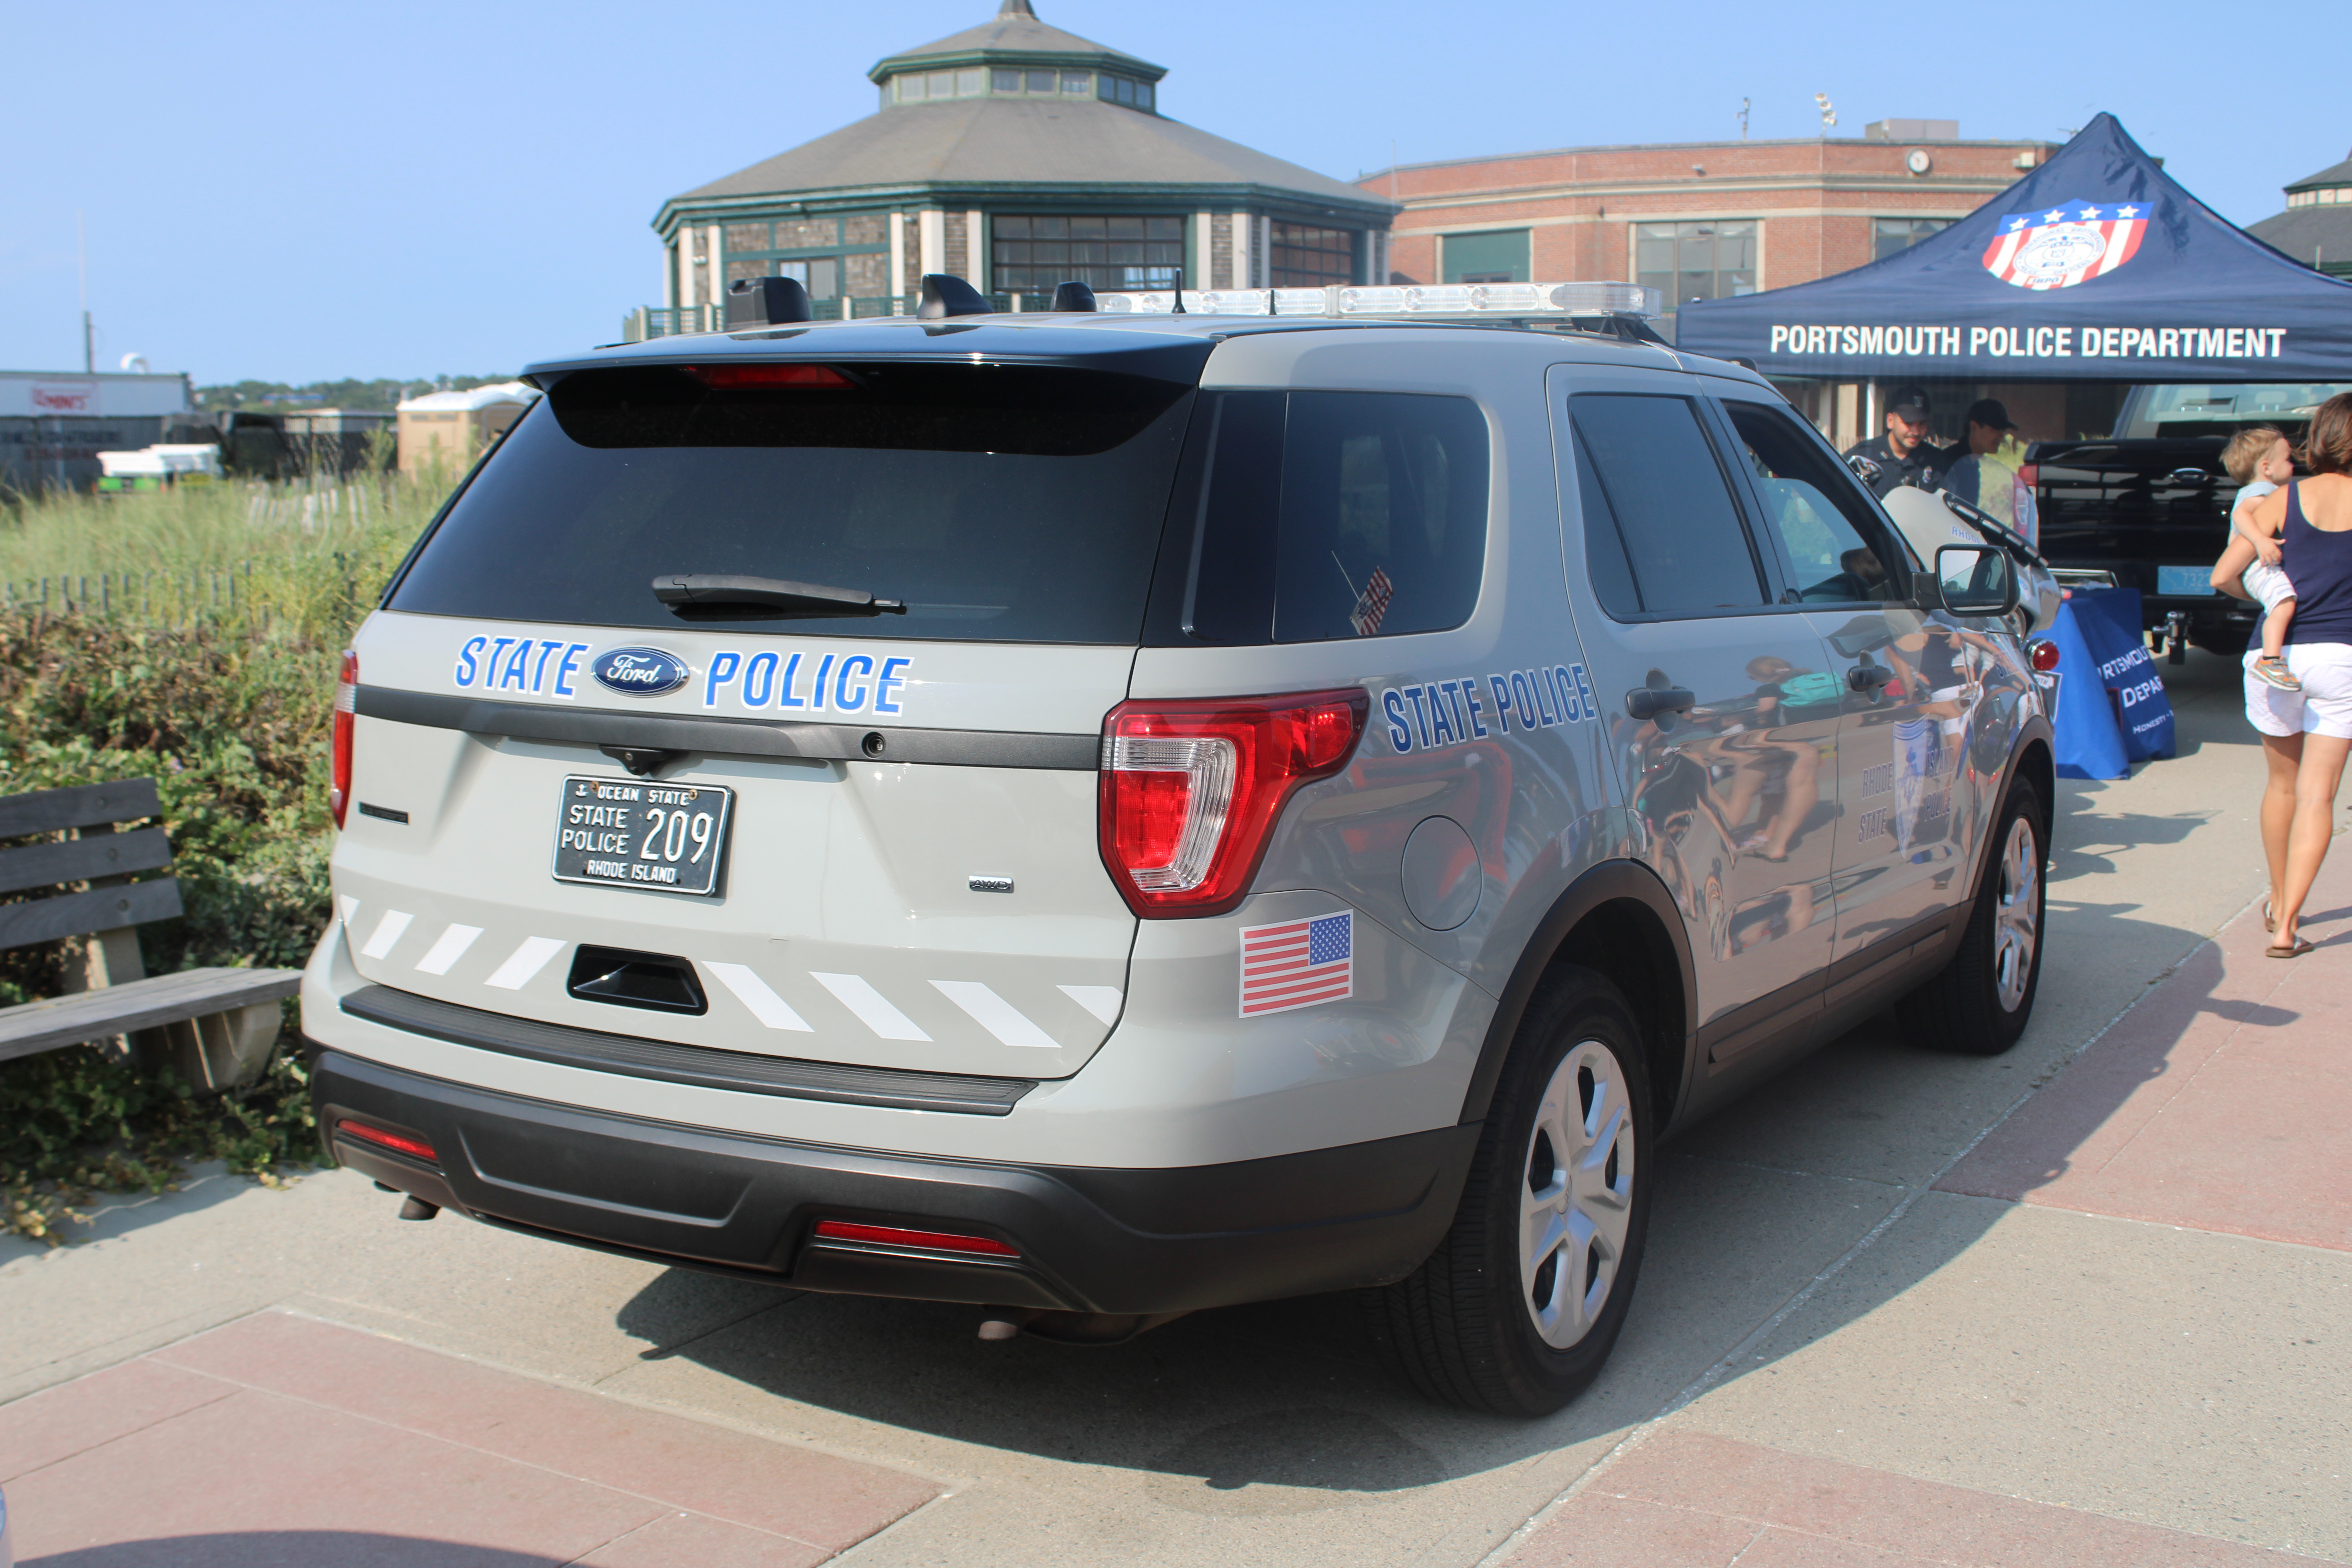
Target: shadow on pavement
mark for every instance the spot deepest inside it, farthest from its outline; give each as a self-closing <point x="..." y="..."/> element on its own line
<point x="1283" y="1407"/>
<point x="120" y="1213"/>
<point x="308" y="1548"/>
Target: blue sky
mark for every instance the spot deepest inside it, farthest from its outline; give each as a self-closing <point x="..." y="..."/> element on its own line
<point x="294" y="192"/>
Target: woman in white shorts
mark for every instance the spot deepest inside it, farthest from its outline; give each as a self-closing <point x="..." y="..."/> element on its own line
<point x="2306" y="734"/>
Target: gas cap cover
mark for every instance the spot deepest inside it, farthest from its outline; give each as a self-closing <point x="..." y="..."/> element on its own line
<point x="1442" y="875"/>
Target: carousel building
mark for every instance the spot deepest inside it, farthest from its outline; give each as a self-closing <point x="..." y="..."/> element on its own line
<point x="1016" y="156"/>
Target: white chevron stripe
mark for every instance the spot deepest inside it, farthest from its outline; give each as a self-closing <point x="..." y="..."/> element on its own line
<point x="525" y="962"/>
<point x="446" y="951"/>
<point x="350" y="905"/>
<point x="1102" y="1001"/>
<point x="753" y="993"/>
<point x="388" y="931"/>
<point x="873" y="1009"/>
<point x="994" y="1014"/>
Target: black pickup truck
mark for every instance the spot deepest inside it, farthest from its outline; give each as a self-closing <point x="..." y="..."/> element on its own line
<point x="2149" y="507"/>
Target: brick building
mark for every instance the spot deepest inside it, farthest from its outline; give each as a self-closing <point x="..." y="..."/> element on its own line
<point x="1696" y="220"/>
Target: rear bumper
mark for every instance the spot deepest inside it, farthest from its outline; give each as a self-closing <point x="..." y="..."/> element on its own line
<point x="1088" y="1239"/>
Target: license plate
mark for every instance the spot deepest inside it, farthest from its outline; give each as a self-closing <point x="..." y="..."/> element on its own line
<point x="637" y="833"/>
<point x="2185" y="579"/>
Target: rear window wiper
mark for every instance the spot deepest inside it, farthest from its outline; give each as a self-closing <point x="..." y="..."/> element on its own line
<point x="717" y="596"/>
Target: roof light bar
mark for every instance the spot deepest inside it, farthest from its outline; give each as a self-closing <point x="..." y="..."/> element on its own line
<point x="1402" y="300"/>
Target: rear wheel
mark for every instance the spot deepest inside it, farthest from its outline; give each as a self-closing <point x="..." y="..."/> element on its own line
<point x="1980" y="1003"/>
<point x="1518" y="1307"/>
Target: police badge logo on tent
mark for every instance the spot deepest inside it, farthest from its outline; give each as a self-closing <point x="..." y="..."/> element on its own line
<point x="2059" y="247"/>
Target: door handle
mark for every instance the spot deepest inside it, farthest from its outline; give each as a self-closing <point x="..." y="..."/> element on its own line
<point x="1649" y="701"/>
<point x="1868" y="677"/>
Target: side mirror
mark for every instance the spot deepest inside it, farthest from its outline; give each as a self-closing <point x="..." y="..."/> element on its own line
<point x="1864" y="469"/>
<point x="1976" y="580"/>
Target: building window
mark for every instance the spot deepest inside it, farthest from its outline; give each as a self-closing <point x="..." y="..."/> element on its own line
<point x="1077" y="84"/>
<point x="1499" y="255"/>
<point x="1704" y="260"/>
<point x="1890" y="234"/>
<point x="1309" y="257"/>
<point x="1113" y="254"/>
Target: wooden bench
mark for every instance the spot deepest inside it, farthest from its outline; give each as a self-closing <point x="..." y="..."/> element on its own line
<point x="213" y="1026"/>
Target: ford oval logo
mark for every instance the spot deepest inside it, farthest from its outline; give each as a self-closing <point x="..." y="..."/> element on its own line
<point x="639" y="671"/>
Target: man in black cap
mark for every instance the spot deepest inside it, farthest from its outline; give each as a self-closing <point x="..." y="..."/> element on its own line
<point x="1903" y="454"/>
<point x="1988" y="422"/>
<point x="1978" y="475"/>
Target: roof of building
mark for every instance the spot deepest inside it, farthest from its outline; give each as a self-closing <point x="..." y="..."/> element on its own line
<point x="2314" y="235"/>
<point x="1025" y="144"/>
<point x="2334" y="174"/>
<point x="1010" y="142"/>
<point x="1014" y="32"/>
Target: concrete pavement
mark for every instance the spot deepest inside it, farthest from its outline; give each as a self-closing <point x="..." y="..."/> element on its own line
<point x="2098" y="1300"/>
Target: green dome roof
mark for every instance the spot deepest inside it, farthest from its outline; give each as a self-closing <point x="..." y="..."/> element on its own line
<point x="1015" y="38"/>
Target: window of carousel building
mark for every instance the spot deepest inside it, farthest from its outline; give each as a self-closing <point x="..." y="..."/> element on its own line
<point x="1889" y="235"/>
<point x="1309" y="257"/>
<point x="1708" y="260"/>
<point x="1032" y="254"/>
<point x="828" y="256"/>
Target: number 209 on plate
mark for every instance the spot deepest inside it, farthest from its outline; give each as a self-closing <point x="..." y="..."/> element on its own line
<point x="641" y="833"/>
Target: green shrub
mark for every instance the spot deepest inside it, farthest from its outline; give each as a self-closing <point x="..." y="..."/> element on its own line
<point x="227" y="709"/>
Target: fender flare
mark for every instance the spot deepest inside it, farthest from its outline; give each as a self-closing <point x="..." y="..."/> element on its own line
<point x="1608" y="882"/>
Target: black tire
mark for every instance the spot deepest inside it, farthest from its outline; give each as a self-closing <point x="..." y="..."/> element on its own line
<point x="1976" y="1005"/>
<point x="1460" y="1328"/>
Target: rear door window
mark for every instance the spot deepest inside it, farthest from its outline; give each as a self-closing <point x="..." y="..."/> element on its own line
<point x="1662" y="533"/>
<point x="1320" y="516"/>
<point x="998" y="503"/>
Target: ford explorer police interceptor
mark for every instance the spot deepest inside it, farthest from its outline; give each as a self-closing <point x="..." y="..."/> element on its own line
<point x="1098" y="816"/>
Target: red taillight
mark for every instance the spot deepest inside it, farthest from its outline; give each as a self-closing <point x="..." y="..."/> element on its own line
<point x="894" y="1235"/>
<point x="2030" y="475"/>
<point x="399" y="1143"/>
<point x="1190" y="791"/>
<point x="749" y="377"/>
<point x="2043" y="654"/>
<point x="347" y="691"/>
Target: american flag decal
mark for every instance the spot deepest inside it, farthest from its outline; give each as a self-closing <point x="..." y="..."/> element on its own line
<point x="1373" y="603"/>
<point x="1298" y="963"/>
<point x="2060" y="246"/>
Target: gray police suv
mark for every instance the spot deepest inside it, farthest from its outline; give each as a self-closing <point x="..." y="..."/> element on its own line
<point x="1099" y="817"/>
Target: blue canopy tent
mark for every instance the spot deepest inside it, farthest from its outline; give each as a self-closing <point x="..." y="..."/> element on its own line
<point x="2095" y="266"/>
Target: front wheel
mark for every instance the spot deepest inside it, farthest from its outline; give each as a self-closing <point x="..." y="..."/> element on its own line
<point x="1980" y="1003"/>
<point x="1518" y="1307"/>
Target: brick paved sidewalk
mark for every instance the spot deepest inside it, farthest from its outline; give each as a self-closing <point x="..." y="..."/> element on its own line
<point x="2221" y="1103"/>
<point x="283" y="1440"/>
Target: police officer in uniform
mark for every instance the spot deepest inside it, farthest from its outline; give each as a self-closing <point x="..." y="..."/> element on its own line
<point x="1905" y="455"/>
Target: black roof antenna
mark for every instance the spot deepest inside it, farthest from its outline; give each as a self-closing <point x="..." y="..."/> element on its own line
<point x="767" y="301"/>
<point x="1073" y="296"/>
<point x="945" y="294"/>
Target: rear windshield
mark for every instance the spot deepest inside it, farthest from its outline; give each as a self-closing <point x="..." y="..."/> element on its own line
<point x="1016" y="503"/>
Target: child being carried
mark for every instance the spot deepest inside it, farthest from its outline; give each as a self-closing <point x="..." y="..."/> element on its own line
<point x="2260" y="459"/>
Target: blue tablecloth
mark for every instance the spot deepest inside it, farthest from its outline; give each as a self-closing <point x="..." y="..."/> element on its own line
<point x="2112" y="709"/>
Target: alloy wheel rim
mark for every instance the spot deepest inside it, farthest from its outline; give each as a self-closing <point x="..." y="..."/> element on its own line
<point x="1576" y="1195"/>
<point x="2017" y="916"/>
